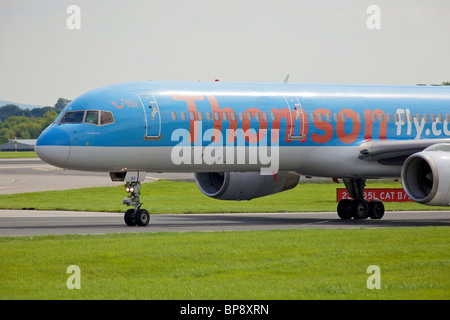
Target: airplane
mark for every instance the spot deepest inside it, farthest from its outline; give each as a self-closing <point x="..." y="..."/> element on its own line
<point x="249" y="140"/>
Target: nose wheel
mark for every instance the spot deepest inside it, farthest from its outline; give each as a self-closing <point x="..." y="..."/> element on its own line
<point x="139" y="218"/>
<point x="136" y="216"/>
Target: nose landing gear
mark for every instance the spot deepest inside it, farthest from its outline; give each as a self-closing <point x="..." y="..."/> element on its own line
<point x="135" y="216"/>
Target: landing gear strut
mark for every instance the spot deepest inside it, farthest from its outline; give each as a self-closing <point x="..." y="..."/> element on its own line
<point x="359" y="208"/>
<point x="135" y="216"/>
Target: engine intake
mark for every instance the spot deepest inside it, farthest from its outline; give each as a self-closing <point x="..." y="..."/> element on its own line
<point x="244" y="185"/>
<point x="426" y="176"/>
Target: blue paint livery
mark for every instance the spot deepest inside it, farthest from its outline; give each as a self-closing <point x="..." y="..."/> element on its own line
<point x="129" y="104"/>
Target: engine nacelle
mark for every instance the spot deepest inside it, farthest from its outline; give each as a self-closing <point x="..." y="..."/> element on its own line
<point x="244" y="185"/>
<point x="426" y="176"/>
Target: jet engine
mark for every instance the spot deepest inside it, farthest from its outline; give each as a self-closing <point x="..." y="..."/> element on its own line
<point x="244" y="185"/>
<point x="426" y="176"/>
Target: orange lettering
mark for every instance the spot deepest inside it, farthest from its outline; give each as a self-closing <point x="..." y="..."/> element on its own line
<point x="347" y="138"/>
<point x="254" y="137"/>
<point x="381" y="116"/>
<point x="322" y="125"/>
<point x="193" y="124"/>
<point x="283" y="113"/>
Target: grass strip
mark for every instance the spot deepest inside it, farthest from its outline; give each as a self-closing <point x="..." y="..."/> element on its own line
<point x="276" y="264"/>
<point x="184" y="197"/>
<point x="21" y="154"/>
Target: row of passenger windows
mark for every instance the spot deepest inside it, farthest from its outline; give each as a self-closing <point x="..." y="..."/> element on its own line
<point x="225" y="116"/>
<point x="313" y="117"/>
<point x="95" y="117"/>
<point x="101" y="118"/>
<point x="388" y="117"/>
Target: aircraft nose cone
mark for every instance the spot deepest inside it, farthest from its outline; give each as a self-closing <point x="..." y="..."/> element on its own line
<point x="53" y="146"/>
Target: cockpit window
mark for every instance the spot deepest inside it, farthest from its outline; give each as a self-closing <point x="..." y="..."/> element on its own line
<point x="94" y="117"/>
<point x="91" y="117"/>
<point x="73" y="117"/>
<point x="106" y="118"/>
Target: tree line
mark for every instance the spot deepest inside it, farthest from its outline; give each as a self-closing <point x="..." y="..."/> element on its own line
<point x="28" y="123"/>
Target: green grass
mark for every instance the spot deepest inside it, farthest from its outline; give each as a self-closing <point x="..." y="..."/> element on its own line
<point x="278" y="264"/>
<point x="184" y="197"/>
<point x="12" y="154"/>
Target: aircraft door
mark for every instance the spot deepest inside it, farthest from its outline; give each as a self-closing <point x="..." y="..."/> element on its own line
<point x="297" y="129"/>
<point x="152" y="116"/>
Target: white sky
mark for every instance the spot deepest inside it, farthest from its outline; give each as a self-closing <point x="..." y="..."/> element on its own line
<point x="320" y="41"/>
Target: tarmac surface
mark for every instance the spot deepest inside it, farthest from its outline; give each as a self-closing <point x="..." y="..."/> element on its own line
<point x="22" y="222"/>
<point x="28" y="175"/>
<point x="31" y="175"/>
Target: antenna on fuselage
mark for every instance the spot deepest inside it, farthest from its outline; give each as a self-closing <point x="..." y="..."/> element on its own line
<point x="286" y="79"/>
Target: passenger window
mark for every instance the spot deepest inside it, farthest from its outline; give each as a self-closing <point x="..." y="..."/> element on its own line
<point x="320" y="116"/>
<point x="374" y="117"/>
<point x="192" y="115"/>
<point x="200" y="116"/>
<point x="216" y="116"/>
<point x="225" y="116"/>
<point x="273" y="116"/>
<point x="335" y="117"/>
<point x="433" y="117"/>
<point x="389" y="117"/>
<point x="174" y="116"/>
<point x="183" y="116"/>
<point x="403" y="117"/>
<point x="233" y="116"/>
<point x="91" y="117"/>
<point x="106" y="118"/>
<point x="265" y="116"/>
<point x="208" y="116"/>
<point x="73" y="117"/>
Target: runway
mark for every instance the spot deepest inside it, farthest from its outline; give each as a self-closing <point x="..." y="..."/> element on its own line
<point x="23" y="222"/>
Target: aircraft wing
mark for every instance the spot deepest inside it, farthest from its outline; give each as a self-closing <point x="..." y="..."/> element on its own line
<point x="394" y="152"/>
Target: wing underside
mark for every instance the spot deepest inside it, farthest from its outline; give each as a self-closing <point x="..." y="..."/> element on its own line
<point x="394" y="152"/>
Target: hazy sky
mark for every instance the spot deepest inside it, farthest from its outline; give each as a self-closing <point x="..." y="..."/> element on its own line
<point x="320" y="41"/>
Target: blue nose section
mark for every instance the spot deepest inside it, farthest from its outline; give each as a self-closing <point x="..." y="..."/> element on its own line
<point x="53" y="136"/>
<point x="53" y="146"/>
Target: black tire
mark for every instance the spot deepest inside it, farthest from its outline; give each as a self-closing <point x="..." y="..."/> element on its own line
<point x="344" y="209"/>
<point x="129" y="217"/>
<point x="376" y="209"/>
<point x="360" y="209"/>
<point x="142" y="217"/>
